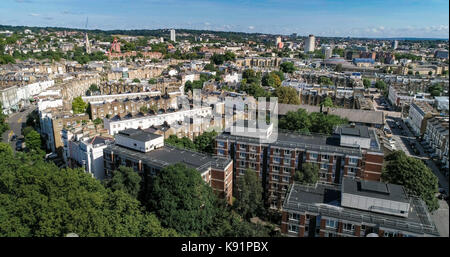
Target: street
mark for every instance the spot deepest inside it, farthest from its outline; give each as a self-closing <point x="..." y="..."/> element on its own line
<point x="15" y="122"/>
<point x="403" y="138"/>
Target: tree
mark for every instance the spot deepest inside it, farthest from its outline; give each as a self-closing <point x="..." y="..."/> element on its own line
<point x="39" y="199"/>
<point x="182" y="200"/>
<point x="366" y="83"/>
<point x="33" y="140"/>
<point x="381" y="85"/>
<point x="325" y="81"/>
<point x="94" y="88"/>
<point x="249" y="202"/>
<point x="125" y="179"/>
<point x="271" y="80"/>
<point x="287" y="67"/>
<point x="435" y="89"/>
<point x="287" y="95"/>
<point x="414" y="175"/>
<point x="4" y="126"/>
<point x="183" y="142"/>
<point x="327" y="102"/>
<point x="338" y="68"/>
<point x="144" y="109"/>
<point x="78" y="105"/>
<point x="296" y="121"/>
<point x="315" y="122"/>
<point x="205" y="142"/>
<point x="136" y="80"/>
<point x="98" y="121"/>
<point x="309" y="173"/>
<point x="152" y="81"/>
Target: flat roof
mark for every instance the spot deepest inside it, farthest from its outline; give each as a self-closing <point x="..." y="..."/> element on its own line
<point x="325" y="200"/>
<point x="356" y="131"/>
<point x="374" y="189"/>
<point x="168" y="155"/>
<point x="139" y="135"/>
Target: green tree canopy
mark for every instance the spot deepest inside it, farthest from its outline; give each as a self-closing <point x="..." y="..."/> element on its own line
<point x="315" y="122"/>
<point x="33" y="140"/>
<point x="125" y="179"/>
<point x="249" y="202"/>
<point x="78" y="105"/>
<point x="309" y="173"/>
<point x="182" y="200"/>
<point x="205" y="142"/>
<point x="366" y="83"/>
<point x="414" y="175"/>
<point x="287" y="95"/>
<point x="4" y="126"/>
<point x="327" y="102"/>
<point x="39" y="199"/>
<point x="381" y="85"/>
<point x="287" y="67"/>
<point x="435" y="89"/>
<point x="271" y="80"/>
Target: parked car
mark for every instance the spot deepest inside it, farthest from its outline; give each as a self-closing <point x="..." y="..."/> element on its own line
<point x="13" y="138"/>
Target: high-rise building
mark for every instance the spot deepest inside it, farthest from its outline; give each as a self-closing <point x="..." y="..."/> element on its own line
<point x="278" y="40"/>
<point x="87" y="44"/>
<point x="310" y="43"/>
<point x="395" y="44"/>
<point x="327" y="51"/>
<point x="172" y="35"/>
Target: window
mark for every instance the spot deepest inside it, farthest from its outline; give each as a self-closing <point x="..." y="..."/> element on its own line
<point x="242" y="163"/>
<point x="276" y="151"/>
<point x="390" y="234"/>
<point x="294" y="216"/>
<point x="221" y="144"/>
<point x="276" y="160"/>
<point x="252" y="156"/>
<point x="220" y="152"/>
<point x="348" y="227"/>
<point x="331" y="224"/>
<point x="325" y="157"/>
<point x="241" y="172"/>
<point x="324" y="166"/>
<point x="353" y="161"/>
<point x="252" y="165"/>
<point x="242" y="155"/>
<point x="286" y="170"/>
<point x="275" y="177"/>
<point x="313" y="156"/>
<point x="253" y="148"/>
<point x="286" y="179"/>
<point x="243" y="147"/>
<point x="293" y="228"/>
<point x="287" y="161"/>
<point x="276" y="169"/>
<point x="287" y="152"/>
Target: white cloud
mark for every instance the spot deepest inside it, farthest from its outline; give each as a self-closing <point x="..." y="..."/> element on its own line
<point x="251" y="27"/>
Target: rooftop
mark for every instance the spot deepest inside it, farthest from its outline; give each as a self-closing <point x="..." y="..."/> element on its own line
<point x="168" y="155"/>
<point x="325" y="200"/>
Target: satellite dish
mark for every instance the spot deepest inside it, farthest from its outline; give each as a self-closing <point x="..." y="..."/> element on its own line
<point x="372" y="235"/>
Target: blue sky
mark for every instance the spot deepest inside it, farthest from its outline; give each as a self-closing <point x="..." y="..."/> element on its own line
<point x="354" y="18"/>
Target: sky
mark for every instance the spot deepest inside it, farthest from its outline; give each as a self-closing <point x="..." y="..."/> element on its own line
<point x="341" y="18"/>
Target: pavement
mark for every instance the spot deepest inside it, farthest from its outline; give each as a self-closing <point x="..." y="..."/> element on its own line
<point x="441" y="218"/>
<point x="15" y="122"/>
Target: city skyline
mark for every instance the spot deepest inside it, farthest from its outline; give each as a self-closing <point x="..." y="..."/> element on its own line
<point x="376" y="19"/>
